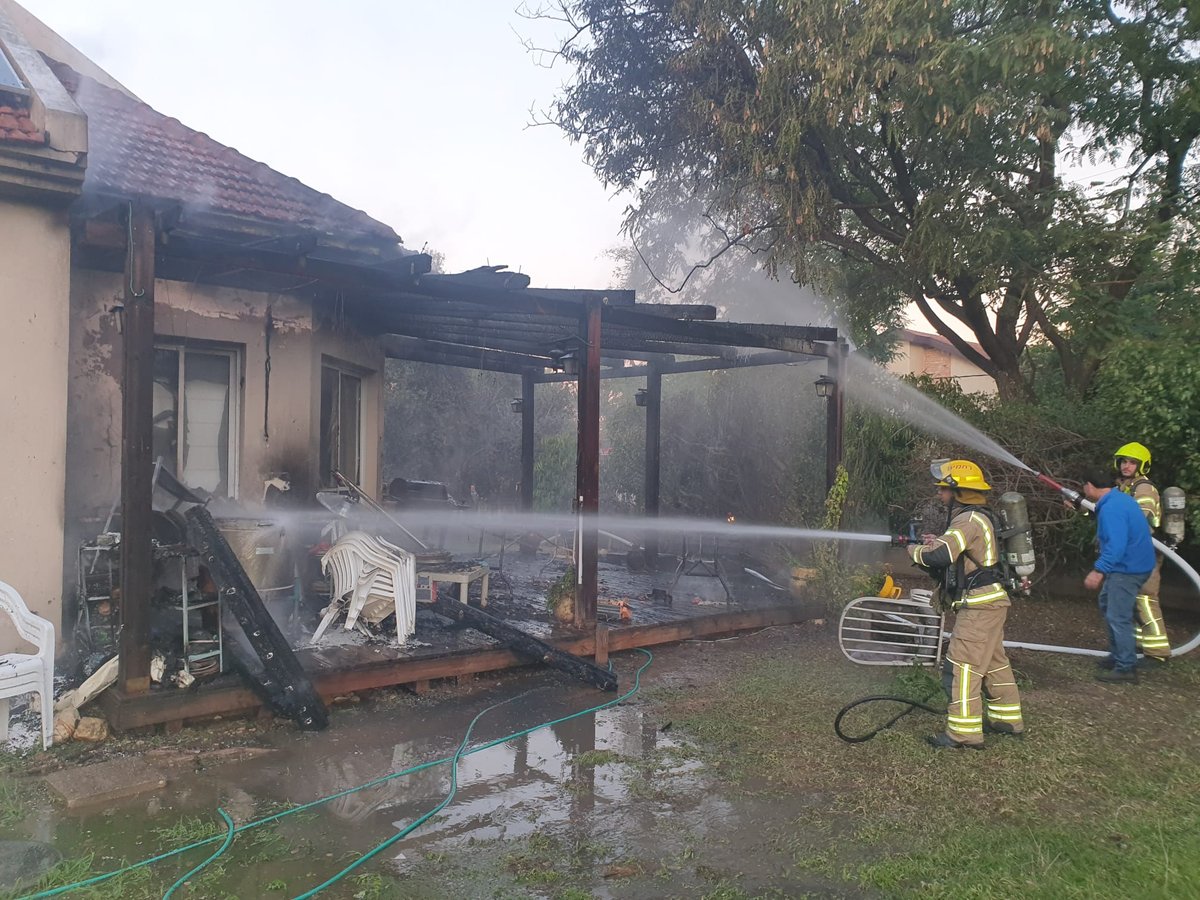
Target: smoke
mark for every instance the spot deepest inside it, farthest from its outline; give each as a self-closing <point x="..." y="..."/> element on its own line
<point x="681" y="254"/>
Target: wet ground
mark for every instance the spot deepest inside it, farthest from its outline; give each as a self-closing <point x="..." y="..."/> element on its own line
<point x="625" y="802"/>
<point x="608" y="805"/>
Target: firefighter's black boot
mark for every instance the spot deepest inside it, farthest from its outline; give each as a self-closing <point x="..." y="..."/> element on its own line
<point x="943" y="741"/>
<point x="1003" y="728"/>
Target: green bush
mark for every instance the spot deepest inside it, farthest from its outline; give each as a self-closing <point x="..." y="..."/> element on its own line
<point x="1149" y="391"/>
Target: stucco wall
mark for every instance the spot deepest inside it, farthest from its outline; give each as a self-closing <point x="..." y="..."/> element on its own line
<point x="35" y="255"/>
<point x="910" y="359"/>
<point x="275" y="433"/>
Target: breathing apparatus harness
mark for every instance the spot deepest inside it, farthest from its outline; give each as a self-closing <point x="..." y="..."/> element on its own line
<point x="954" y="580"/>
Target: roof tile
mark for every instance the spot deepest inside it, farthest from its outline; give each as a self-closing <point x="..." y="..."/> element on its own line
<point x="135" y="150"/>
<point x="16" y="126"/>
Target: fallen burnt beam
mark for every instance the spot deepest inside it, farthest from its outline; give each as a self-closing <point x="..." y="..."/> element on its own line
<point x="276" y="675"/>
<point x="526" y="644"/>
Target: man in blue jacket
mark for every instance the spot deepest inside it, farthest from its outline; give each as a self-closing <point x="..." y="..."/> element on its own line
<point x="1126" y="561"/>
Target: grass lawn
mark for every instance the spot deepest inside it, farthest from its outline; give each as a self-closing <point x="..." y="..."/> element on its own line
<point x="1102" y="798"/>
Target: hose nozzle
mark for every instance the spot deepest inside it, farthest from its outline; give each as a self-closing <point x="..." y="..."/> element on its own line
<point x="1072" y="496"/>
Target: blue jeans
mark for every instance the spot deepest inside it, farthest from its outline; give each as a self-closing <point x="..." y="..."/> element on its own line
<point x="1118" y="598"/>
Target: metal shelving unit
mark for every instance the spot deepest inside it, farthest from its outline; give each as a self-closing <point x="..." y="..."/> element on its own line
<point x="186" y="607"/>
<point x="99" y="565"/>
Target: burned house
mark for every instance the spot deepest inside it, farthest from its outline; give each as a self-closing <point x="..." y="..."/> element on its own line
<point x="252" y="379"/>
<point x="175" y="306"/>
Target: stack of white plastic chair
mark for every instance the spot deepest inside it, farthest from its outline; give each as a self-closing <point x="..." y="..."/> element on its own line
<point x="27" y="673"/>
<point x="368" y="577"/>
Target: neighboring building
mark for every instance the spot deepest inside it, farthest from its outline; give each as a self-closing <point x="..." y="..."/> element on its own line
<point x="251" y="375"/>
<point x="918" y="353"/>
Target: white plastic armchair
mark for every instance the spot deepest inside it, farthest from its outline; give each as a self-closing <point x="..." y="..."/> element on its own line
<point x="369" y="574"/>
<point x="27" y="673"/>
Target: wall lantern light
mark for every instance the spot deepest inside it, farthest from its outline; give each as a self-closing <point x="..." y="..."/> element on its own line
<point x="824" y="386"/>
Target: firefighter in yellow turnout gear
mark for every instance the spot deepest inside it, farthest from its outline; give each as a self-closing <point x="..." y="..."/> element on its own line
<point x="1132" y="464"/>
<point x="965" y="559"/>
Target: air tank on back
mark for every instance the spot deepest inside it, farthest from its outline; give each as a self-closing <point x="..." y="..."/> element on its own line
<point x="1175" y="515"/>
<point x="1017" y="535"/>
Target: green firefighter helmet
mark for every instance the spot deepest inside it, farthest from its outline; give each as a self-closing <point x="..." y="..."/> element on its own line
<point x="960" y="474"/>
<point x="1135" y="451"/>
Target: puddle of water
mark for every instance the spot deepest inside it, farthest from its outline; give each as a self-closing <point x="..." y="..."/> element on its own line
<point x="533" y="784"/>
<point x="559" y="807"/>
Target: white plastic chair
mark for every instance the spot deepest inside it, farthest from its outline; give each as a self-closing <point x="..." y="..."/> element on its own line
<point x="27" y="673"/>
<point x="367" y="572"/>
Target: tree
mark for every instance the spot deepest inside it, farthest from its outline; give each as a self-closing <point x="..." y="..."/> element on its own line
<point x="916" y="146"/>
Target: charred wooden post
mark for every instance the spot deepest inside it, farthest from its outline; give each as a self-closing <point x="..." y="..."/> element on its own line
<point x="137" y="452"/>
<point x="835" y="411"/>
<point x="529" y="542"/>
<point x="527" y="440"/>
<point x="653" y="459"/>
<point x="526" y="644"/>
<point x="587" y="480"/>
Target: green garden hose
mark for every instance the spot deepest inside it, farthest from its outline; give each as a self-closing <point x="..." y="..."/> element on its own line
<point x="229" y="831"/>
<point x="404" y="832"/>
<point x="266" y="820"/>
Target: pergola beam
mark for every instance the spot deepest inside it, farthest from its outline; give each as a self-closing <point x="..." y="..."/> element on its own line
<point x="486" y="360"/>
<point x="754" y="360"/>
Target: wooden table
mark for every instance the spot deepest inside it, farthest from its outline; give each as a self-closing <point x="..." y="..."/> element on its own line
<point x="464" y="578"/>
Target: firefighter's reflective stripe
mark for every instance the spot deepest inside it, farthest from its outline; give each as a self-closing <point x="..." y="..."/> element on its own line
<point x="987" y="594"/>
<point x="952" y="540"/>
<point x="1150" y="631"/>
<point x="1149" y="506"/>
<point x="964" y="724"/>
<point x="961" y="721"/>
<point x="958" y="538"/>
<point x="1004" y="712"/>
<point x="990" y="556"/>
<point x="1146" y="494"/>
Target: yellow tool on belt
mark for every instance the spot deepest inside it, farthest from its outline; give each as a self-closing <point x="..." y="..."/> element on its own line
<point x="890" y="590"/>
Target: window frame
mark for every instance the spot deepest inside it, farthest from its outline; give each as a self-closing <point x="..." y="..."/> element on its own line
<point x="234" y="353"/>
<point x="361" y="375"/>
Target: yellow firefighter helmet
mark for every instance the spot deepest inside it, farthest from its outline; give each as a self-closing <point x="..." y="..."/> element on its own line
<point x="960" y="474"/>
<point x="1135" y="451"/>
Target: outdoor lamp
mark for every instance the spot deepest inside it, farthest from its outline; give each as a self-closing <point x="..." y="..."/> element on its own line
<point x="824" y="386"/>
<point x="640" y="397"/>
<point x="516" y="404"/>
<point x="570" y="362"/>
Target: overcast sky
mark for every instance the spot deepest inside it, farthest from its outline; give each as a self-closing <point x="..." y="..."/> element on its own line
<point x="416" y="112"/>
